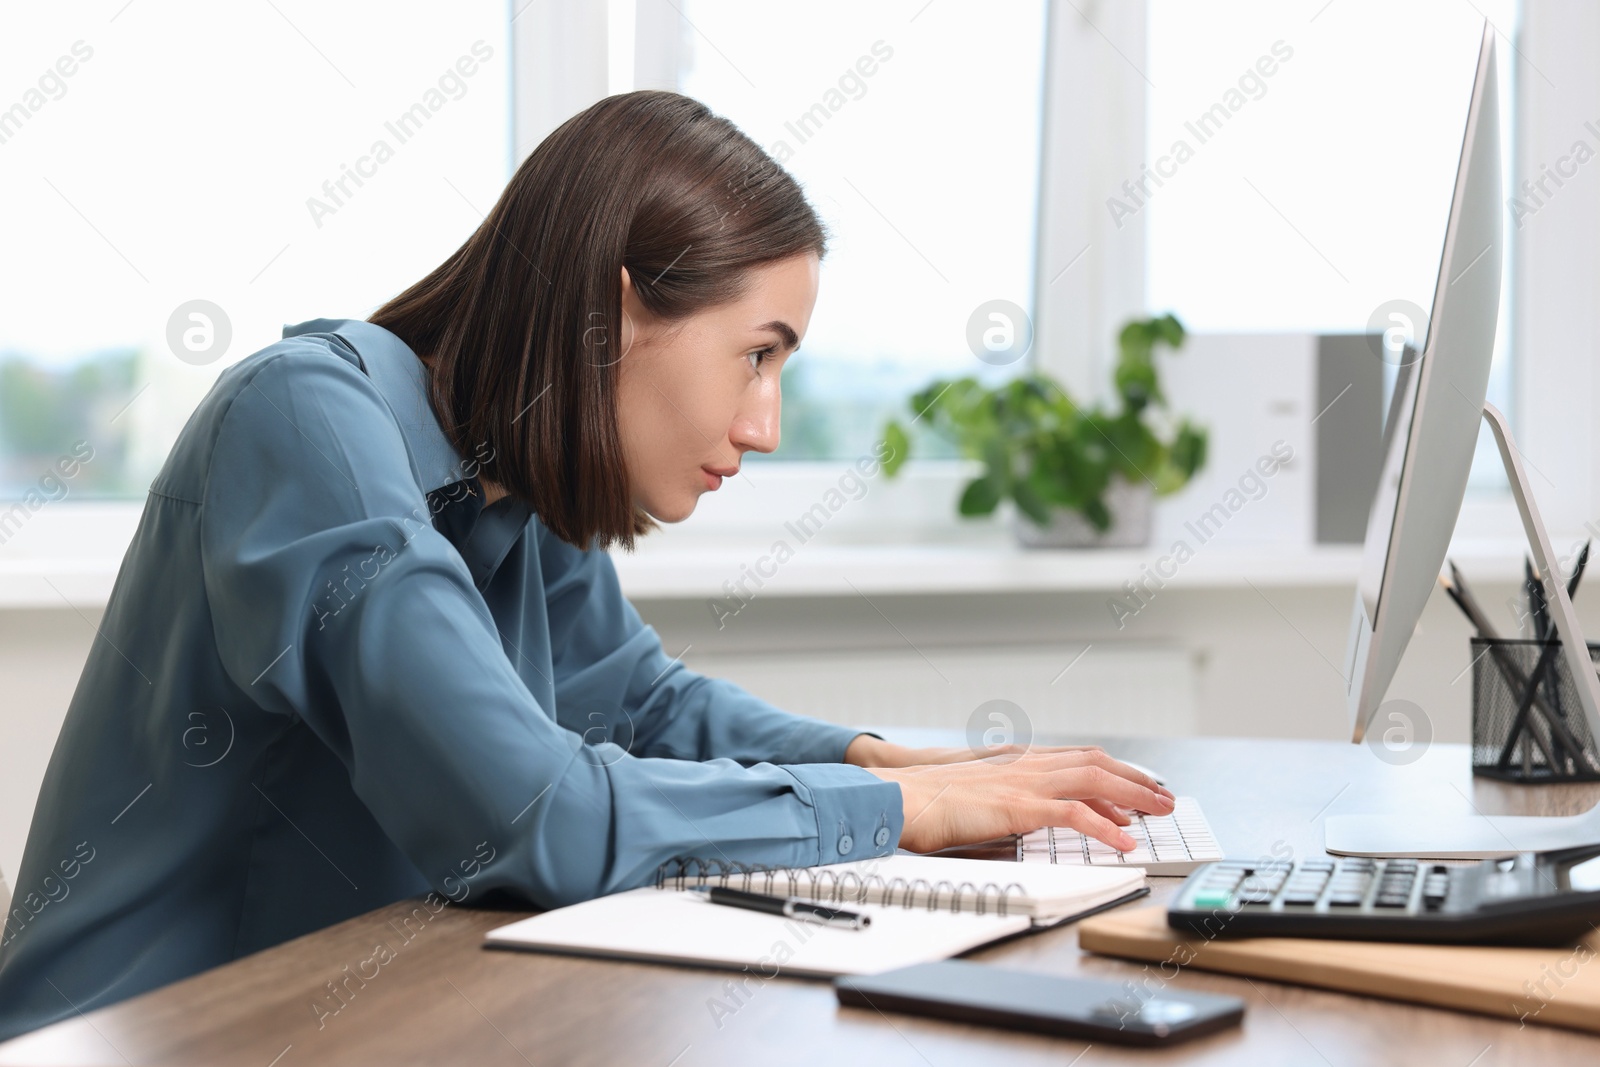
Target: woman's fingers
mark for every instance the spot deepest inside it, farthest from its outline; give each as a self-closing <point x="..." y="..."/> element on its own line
<point x="1110" y="811"/>
<point x="1081" y="817"/>
<point x="1102" y="768"/>
<point x="1098" y="783"/>
<point x="1138" y="777"/>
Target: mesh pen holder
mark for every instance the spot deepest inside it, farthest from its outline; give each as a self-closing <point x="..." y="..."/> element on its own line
<point x="1527" y="723"/>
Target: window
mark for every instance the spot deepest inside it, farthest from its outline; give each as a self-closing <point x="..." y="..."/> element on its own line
<point x="186" y="178"/>
<point x="916" y="136"/>
<point x="1324" y="195"/>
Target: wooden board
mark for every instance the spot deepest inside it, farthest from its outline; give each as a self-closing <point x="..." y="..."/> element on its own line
<point x="1555" y="986"/>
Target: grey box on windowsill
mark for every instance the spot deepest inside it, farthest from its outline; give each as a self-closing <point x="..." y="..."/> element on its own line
<point x="1349" y="440"/>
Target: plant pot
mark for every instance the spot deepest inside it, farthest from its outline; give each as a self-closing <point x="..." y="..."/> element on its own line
<point x="1130" y="504"/>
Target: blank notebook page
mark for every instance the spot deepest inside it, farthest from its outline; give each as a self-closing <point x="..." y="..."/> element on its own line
<point x="671" y="927"/>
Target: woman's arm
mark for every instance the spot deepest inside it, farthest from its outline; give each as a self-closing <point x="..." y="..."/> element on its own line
<point x="409" y="685"/>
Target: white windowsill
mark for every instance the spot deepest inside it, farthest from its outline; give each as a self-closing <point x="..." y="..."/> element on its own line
<point x="899" y="539"/>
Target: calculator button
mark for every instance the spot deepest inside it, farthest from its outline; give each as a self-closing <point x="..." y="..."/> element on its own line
<point x="1299" y="899"/>
<point x="1344" y="900"/>
<point x="1212" y="898"/>
<point x="1391" y="902"/>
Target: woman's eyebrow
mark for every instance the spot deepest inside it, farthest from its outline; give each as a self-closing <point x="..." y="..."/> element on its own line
<point x="783" y="330"/>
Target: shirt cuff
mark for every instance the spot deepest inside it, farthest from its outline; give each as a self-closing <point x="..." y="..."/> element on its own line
<point x="859" y="815"/>
<point x="814" y="741"/>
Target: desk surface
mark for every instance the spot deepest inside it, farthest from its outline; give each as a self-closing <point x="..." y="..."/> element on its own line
<point x="443" y="998"/>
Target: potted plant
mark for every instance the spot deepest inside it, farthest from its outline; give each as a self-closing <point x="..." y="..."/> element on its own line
<point x="1079" y="477"/>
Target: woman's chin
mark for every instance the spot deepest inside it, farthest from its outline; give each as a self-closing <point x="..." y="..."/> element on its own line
<point x="671" y="511"/>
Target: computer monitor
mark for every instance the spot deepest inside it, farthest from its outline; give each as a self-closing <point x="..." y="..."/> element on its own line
<point x="1429" y="439"/>
<point x="1434" y="416"/>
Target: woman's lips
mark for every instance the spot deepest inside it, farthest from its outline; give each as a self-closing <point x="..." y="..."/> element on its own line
<point x="715" y="475"/>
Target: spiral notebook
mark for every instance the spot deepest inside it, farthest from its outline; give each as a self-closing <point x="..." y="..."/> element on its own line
<point x="923" y="908"/>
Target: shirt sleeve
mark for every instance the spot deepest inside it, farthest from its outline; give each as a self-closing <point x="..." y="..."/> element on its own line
<point x="310" y="494"/>
<point x="613" y="680"/>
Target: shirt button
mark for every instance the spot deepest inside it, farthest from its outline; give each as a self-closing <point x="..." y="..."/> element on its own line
<point x="846" y="843"/>
<point x="882" y="837"/>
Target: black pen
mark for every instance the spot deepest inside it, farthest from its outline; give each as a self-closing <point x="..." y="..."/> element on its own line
<point x="1537" y="607"/>
<point x="1469" y="604"/>
<point x="789" y="907"/>
<point x="1577" y="571"/>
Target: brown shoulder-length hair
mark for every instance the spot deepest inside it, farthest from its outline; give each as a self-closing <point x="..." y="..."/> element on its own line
<point x="521" y="325"/>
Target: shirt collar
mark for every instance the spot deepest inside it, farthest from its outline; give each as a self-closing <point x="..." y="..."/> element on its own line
<point x="402" y="379"/>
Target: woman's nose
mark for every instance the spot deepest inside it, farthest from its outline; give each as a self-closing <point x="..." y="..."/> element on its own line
<point x="758" y="427"/>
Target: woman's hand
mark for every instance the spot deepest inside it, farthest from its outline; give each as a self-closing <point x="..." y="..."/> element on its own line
<point x="965" y="802"/>
<point x="868" y="751"/>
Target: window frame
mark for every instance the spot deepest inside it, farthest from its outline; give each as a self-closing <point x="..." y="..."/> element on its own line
<point x="1084" y="285"/>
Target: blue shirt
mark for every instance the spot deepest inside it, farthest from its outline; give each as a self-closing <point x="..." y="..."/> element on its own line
<point x="328" y="678"/>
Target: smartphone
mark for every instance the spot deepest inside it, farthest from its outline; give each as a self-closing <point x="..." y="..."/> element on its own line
<point x="1067" y="1007"/>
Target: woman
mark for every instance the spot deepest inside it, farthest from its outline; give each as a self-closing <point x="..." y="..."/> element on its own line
<point x="365" y="641"/>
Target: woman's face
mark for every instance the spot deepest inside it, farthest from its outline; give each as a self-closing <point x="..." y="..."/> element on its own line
<point x="695" y="395"/>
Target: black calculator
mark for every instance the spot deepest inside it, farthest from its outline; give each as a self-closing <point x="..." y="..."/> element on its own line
<point x="1524" y="899"/>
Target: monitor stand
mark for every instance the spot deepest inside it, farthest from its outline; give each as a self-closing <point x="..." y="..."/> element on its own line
<point x="1480" y="836"/>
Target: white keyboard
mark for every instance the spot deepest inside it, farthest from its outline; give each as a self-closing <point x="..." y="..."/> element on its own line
<point x="1166" y="844"/>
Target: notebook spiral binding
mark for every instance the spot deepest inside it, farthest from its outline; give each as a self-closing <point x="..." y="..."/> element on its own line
<point x="821" y="884"/>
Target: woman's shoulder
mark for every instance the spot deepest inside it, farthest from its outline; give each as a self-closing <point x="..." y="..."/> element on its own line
<point x="304" y="357"/>
<point x="301" y="395"/>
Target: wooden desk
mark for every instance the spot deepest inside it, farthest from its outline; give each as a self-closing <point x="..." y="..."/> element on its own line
<point x="445" y="999"/>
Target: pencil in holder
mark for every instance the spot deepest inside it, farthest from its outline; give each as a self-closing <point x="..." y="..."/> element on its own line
<point x="1527" y="723"/>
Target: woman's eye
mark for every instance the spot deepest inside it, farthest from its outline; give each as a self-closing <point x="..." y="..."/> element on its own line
<point x="758" y="357"/>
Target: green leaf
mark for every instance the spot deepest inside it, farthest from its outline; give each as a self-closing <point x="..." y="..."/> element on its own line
<point x="1136" y="341"/>
<point x="1134" y="448"/>
<point x="1189" y="449"/>
<point x="1138" y="384"/>
<point x="1167" y="328"/>
<point x="1097" y="514"/>
<point x="1071" y="472"/>
<point x="1029" y="503"/>
<point x="980" y="497"/>
<point x="899" y="446"/>
<point x="997" y="458"/>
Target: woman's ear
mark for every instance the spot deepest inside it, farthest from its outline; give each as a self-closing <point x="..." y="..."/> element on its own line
<point x="630" y="309"/>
